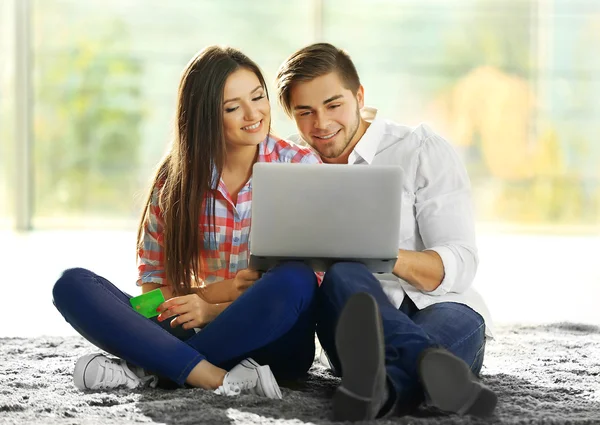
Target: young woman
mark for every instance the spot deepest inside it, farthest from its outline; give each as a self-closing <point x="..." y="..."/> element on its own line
<point x="193" y="245"/>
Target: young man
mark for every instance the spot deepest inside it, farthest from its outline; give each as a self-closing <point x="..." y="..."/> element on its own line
<point x="419" y="333"/>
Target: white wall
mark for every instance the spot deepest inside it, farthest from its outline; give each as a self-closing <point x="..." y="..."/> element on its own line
<point x="532" y="279"/>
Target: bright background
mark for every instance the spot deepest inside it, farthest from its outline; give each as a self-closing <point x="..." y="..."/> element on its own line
<point x="87" y="97"/>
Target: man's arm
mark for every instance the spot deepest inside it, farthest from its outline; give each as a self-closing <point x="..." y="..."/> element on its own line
<point x="444" y="216"/>
<point x="423" y="270"/>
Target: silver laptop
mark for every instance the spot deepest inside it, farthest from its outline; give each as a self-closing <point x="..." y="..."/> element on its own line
<point x="321" y="214"/>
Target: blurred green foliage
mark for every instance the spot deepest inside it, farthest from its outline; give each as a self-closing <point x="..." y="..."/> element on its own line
<point x="88" y="117"/>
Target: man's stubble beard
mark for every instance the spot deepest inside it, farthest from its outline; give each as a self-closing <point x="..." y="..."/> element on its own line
<point x="337" y="152"/>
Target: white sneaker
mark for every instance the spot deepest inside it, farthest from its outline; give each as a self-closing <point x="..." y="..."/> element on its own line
<point x="324" y="360"/>
<point x="250" y="377"/>
<point x="98" y="372"/>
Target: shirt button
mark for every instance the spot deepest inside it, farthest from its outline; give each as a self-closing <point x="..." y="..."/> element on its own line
<point x="236" y="239"/>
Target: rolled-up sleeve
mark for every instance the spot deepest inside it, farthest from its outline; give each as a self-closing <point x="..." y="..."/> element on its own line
<point x="444" y="213"/>
<point x="151" y="252"/>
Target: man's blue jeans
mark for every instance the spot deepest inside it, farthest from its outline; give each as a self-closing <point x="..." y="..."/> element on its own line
<point x="408" y="330"/>
<point x="272" y="322"/>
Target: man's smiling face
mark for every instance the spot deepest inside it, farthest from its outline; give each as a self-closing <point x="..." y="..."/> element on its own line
<point x="327" y="115"/>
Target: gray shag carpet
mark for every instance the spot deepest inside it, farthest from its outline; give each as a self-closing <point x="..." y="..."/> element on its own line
<point x="543" y="375"/>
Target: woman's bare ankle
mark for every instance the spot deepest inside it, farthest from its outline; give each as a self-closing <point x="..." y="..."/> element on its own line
<point x="206" y="375"/>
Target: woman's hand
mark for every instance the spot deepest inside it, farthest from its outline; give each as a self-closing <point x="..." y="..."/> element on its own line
<point x="243" y="280"/>
<point x="230" y="289"/>
<point x="191" y="311"/>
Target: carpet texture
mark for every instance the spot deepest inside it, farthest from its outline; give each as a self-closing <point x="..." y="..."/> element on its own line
<point x="542" y="375"/>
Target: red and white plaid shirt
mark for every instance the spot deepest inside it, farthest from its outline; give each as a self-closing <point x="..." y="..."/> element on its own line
<point x="225" y="252"/>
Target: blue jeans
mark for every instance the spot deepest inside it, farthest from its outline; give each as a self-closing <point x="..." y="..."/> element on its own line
<point x="272" y="322"/>
<point x="407" y="331"/>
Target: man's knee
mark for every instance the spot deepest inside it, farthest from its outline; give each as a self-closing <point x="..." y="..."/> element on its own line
<point x="460" y="314"/>
<point x="456" y="326"/>
<point x="339" y="274"/>
<point x="343" y="267"/>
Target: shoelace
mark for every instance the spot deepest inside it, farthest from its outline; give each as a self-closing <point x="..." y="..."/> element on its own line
<point x="115" y="375"/>
<point x="230" y="389"/>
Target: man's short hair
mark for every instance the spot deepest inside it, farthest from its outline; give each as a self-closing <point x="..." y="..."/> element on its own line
<point x="311" y="62"/>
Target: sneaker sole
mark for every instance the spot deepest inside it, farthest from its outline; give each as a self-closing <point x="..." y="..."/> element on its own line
<point x="452" y="386"/>
<point x="80" y="367"/>
<point x="360" y="348"/>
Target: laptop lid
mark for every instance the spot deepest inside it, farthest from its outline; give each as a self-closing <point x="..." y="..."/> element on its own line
<point x="304" y="211"/>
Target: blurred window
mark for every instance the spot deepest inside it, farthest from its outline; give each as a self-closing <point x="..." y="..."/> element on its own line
<point x="512" y="85"/>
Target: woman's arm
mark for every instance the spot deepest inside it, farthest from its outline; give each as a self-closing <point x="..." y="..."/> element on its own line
<point x="150" y="249"/>
<point x="209" y="311"/>
<point x="230" y="289"/>
<point x="166" y="290"/>
<point x="218" y="292"/>
<point x="210" y="302"/>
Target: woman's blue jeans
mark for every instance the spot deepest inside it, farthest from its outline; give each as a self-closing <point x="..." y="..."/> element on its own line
<point x="273" y="322"/>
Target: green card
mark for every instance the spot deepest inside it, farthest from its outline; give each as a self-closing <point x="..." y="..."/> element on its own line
<point x="147" y="303"/>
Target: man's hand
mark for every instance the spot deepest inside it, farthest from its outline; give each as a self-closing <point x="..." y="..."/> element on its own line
<point x="191" y="311"/>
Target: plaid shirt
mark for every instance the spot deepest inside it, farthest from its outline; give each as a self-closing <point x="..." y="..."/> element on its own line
<point x="225" y="252"/>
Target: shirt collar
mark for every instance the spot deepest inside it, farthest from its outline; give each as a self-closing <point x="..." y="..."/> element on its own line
<point x="366" y="148"/>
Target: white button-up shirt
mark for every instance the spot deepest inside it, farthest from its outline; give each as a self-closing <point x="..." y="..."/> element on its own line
<point x="436" y="211"/>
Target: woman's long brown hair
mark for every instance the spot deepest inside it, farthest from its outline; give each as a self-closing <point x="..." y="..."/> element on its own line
<point x="185" y="175"/>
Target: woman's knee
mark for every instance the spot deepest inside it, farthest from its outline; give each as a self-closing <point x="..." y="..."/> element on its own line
<point x="70" y="282"/>
<point x="292" y="282"/>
